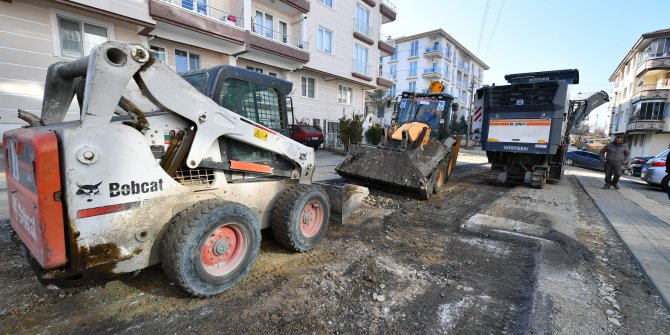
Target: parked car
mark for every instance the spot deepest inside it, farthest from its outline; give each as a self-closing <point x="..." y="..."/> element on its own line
<point x="584" y="159"/>
<point x="653" y="172"/>
<point x="636" y="164"/>
<point x="307" y="135"/>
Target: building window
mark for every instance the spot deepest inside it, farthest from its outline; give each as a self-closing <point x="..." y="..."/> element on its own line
<point x="414" y="49"/>
<point x="329" y="3"/>
<point x="316" y="123"/>
<point x="394" y="71"/>
<point x="283" y="31"/>
<point x="392" y="90"/>
<point x="412" y="86"/>
<point x="325" y="40"/>
<point x="198" y="6"/>
<point x="447" y="51"/>
<point x="344" y="95"/>
<point x="186" y="61"/>
<point x="650" y="111"/>
<point x="307" y="87"/>
<point x="446" y="71"/>
<point x="77" y="36"/>
<point x="272" y="74"/>
<point x="395" y="54"/>
<point x="412" y="69"/>
<point x="360" y="59"/>
<point x="158" y="52"/>
<point x="363" y="20"/>
<point x="263" y="24"/>
<point x="256" y="69"/>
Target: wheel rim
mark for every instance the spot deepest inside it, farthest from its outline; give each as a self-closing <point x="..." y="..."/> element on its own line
<point x="224" y="249"/>
<point x="311" y="218"/>
<point x="568" y="161"/>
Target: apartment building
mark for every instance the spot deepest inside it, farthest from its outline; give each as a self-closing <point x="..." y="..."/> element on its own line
<point x="327" y="48"/>
<point x="641" y="96"/>
<point x="434" y="56"/>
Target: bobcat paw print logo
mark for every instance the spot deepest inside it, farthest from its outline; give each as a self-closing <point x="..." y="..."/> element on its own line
<point x="88" y="191"/>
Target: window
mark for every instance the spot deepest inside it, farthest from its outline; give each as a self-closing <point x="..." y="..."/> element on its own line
<point x="76" y="37"/>
<point x="324" y="40"/>
<point x="395" y="54"/>
<point x="307" y="87"/>
<point x="446" y="70"/>
<point x="256" y="69"/>
<point x="198" y="6"/>
<point x="264" y="24"/>
<point x="328" y="3"/>
<point x="392" y="90"/>
<point x="394" y="71"/>
<point x="447" y="50"/>
<point x="283" y="31"/>
<point x="650" y="111"/>
<point x="158" y="52"/>
<point x="363" y="20"/>
<point x="414" y="49"/>
<point x="272" y="74"/>
<point x="186" y="61"/>
<point x="254" y="101"/>
<point x="198" y="81"/>
<point x="360" y="59"/>
<point x="344" y="95"/>
<point x="316" y="123"/>
<point x="412" y="86"/>
<point x="412" y="69"/>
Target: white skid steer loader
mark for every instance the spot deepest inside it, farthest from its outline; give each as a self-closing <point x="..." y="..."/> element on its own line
<point x="127" y="186"/>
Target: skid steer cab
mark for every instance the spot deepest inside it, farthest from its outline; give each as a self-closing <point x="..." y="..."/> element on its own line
<point x="154" y="171"/>
<point x="416" y="154"/>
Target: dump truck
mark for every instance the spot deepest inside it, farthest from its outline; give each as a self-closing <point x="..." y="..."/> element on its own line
<point x="526" y="125"/>
<point x="155" y="171"/>
<point x="417" y="154"/>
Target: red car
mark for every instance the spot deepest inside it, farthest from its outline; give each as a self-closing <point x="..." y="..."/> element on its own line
<point x="307" y="135"/>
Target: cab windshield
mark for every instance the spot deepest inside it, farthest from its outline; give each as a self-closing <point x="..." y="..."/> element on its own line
<point x="429" y="111"/>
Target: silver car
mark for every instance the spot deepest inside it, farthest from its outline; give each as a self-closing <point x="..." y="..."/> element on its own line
<point x="653" y="172"/>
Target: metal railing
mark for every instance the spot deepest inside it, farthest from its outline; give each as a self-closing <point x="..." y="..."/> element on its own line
<point x="432" y="70"/>
<point x="361" y="67"/>
<point x="433" y="48"/>
<point x="278" y="36"/>
<point x="389" y="4"/>
<point x="205" y="10"/>
<point x="363" y="27"/>
<point x="386" y="39"/>
<point x="385" y="75"/>
<point x="647" y="92"/>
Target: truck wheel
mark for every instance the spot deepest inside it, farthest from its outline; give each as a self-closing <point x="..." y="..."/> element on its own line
<point x="442" y="173"/>
<point x="538" y="179"/>
<point x="210" y="246"/>
<point x="300" y="217"/>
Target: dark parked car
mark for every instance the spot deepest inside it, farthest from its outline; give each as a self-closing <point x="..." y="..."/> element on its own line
<point x="584" y="159"/>
<point x="307" y="135"/>
<point x="636" y="164"/>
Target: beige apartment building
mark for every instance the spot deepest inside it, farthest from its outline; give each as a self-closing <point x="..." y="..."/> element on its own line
<point x="434" y="56"/>
<point x="329" y="49"/>
<point x="641" y="95"/>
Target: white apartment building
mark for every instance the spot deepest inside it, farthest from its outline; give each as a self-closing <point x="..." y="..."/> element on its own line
<point x="434" y="56"/>
<point x="641" y="95"/>
<point x="327" y="48"/>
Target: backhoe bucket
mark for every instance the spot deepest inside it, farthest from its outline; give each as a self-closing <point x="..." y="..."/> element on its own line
<point x="396" y="170"/>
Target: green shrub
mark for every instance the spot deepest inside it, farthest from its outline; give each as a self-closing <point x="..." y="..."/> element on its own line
<point x="374" y="134"/>
<point x="351" y="131"/>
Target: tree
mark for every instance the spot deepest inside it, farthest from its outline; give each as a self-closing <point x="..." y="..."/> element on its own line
<point x="374" y="134"/>
<point x="380" y="99"/>
<point x="351" y="131"/>
<point x="461" y="126"/>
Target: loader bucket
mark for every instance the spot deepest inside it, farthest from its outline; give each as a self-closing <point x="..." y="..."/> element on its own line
<point x="395" y="170"/>
<point x="344" y="200"/>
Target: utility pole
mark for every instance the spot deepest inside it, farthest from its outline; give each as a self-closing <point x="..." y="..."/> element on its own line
<point x="472" y="98"/>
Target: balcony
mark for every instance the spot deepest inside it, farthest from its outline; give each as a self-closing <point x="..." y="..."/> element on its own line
<point x="650" y="92"/>
<point x="434" y="51"/>
<point x="447" y="55"/>
<point x="363" y="31"/>
<point x="298" y="6"/>
<point x="388" y="11"/>
<point x="385" y="46"/>
<point x="653" y="64"/>
<point x="644" y="123"/>
<point x="204" y="19"/>
<point x="361" y="70"/>
<point x="384" y="79"/>
<point x="432" y="73"/>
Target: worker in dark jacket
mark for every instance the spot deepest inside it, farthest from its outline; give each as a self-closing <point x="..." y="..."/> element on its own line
<point x="615" y="155"/>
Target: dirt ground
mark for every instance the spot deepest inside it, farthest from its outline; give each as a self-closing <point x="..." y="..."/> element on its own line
<point x="475" y="259"/>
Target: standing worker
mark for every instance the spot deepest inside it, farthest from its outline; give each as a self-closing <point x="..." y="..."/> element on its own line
<point x="615" y="156"/>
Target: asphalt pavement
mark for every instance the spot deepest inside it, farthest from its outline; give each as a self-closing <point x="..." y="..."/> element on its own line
<point x="640" y="215"/>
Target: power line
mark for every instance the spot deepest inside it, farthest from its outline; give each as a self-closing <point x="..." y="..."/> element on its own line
<point x="495" y="26"/>
<point x="481" y="30"/>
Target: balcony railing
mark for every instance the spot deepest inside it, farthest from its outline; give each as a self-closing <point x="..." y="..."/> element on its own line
<point x="387" y="39"/>
<point x="208" y="11"/>
<point x="361" y="68"/>
<point x="652" y="64"/>
<point x="385" y="75"/>
<point x="363" y="27"/>
<point x="432" y="70"/>
<point x="389" y="4"/>
<point x="650" y="92"/>
<point x="279" y="36"/>
<point x="650" y="124"/>
<point x="435" y="49"/>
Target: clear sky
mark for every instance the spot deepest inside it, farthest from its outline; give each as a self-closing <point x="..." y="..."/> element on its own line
<point x="592" y="36"/>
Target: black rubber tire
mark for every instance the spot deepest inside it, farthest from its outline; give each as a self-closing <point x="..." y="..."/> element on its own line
<point x="184" y="241"/>
<point x="665" y="183"/>
<point x="288" y="211"/>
